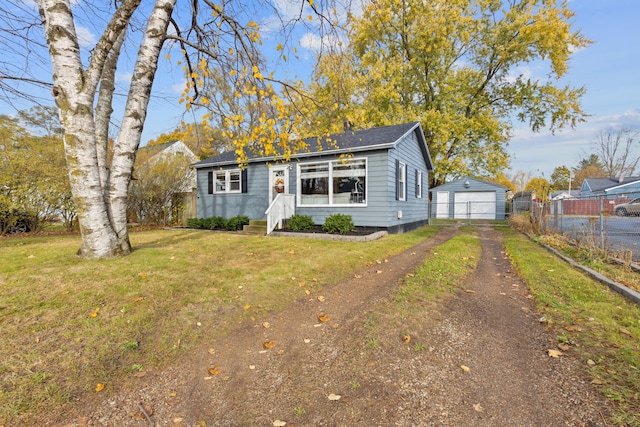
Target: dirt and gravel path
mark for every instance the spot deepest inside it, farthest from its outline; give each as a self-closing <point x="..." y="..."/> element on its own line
<point x="353" y="369"/>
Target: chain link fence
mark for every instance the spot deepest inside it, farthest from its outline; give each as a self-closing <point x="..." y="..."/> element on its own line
<point x="611" y="224"/>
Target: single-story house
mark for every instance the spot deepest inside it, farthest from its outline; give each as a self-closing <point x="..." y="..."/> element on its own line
<point x="469" y="198"/>
<point x="610" y="187"/>
<point x="563" y="194"/>
<point x="377" y="176"/>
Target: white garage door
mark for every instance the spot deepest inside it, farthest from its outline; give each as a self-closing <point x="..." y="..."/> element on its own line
<point x="475" y="205"/>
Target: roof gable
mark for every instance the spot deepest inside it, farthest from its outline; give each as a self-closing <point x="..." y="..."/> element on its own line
<point x="384" y="137"/>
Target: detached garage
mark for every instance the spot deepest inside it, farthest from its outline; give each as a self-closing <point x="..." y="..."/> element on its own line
<point x="468" y="198"/>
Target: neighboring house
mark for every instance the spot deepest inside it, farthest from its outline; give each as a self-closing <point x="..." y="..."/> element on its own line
<point x="563" y="194"/>
<point x="173" y="148"/>
<point x="469" y="198"/>
<point x="610" y="187"/>
<point x="377" y="176"/>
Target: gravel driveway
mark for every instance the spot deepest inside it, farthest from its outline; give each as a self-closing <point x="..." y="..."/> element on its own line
<point x="482" y="361"/>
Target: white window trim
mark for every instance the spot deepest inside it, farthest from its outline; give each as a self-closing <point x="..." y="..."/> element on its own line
<point x="331" y="203"/>
<point x="227" y="182"/>
<point x="402" y="179"/>
<point x="419" y="185"/>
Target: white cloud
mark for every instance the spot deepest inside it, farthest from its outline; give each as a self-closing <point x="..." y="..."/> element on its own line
<point x="124" y="77"/>
<point x="86" y="39"/>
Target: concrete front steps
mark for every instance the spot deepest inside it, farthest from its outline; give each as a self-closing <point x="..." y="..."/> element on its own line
<point x="256" y="226"/>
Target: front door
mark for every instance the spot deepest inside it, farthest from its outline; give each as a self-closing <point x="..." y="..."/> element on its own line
<point x="278" y="181"/>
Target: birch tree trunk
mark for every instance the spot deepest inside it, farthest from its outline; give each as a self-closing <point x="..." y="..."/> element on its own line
<point x="101" y="203"/>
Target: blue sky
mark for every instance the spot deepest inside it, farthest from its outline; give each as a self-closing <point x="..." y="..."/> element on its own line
<point x="608" y="69"/>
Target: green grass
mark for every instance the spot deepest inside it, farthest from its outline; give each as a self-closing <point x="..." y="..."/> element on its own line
<point x="68" y="323"/>
<point x="443" y="271"/>
<point x="600" y="324"/>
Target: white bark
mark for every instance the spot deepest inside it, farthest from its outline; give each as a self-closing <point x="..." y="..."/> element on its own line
<point x="104" y="232"/>
<point x="135" y="114"/>
<point x="74" y="96"/>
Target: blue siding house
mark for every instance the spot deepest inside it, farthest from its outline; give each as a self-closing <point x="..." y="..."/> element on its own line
<point x="610" y="187"/>
<point x="378" y="176"/>
<point x="469" y="198"/>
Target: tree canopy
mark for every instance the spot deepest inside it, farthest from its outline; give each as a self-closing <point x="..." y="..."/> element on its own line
<point x="455" y="67"/>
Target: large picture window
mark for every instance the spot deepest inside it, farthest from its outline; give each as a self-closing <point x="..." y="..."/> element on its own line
<point x="340" y="182"/>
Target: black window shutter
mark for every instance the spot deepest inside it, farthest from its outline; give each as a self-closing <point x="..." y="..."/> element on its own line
<point x="243" y="178"/>
<point x="210" y="182"/>
<point x="397" y="179"/>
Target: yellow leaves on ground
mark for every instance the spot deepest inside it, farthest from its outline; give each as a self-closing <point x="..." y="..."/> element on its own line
<point x="279" y="423"/>
<point x="324" y="317"/>
<point x="465" y="368"/>
<point x="99" y="387"/>
<point x="214" y="371"/>
<point x="554" y="353"/>
<point x="269" y="344"/>
<point x="95" y="312"/>
<point x="333" y="396"/>
<point x="406" y="338"/>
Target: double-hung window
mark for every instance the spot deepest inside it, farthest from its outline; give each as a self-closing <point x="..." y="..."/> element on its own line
<point x="418" y="184"/>
<point x="338" y="182"/>
<point x="225" y="181"/>
<point x="402" y="181"/>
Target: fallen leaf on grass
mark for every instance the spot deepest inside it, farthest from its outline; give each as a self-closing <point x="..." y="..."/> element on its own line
<point x="99" y="387"/>
<point x="212" y="351"/>
<point x="278" y="423"/>
<point x="321" y="298"/>
<point x="214" y="371"/>
<point x="625" y="331"/>
<point x="247" y="307"/>
<point x="269" y="344"/>
<point x="563" y="347"/>
<point x="573" y="328"/>
<point x="465" y="368"/>
<point x="324" y="317"/>
<point x="307" y="291"/>
<point x="406" y="338"/>
<point x="379" y="271"/>
<point x="266" y="325"/>
<point x="137" y="299"/>
<point x="597" y="382"/>
<point x="334" y="396"/>
<point x="139" y="374"/>
<point x="356" y="276"/>
<point x="307" y="340"/>
<point x="554" y="353"/>
<point x="478" y="407"/>
<point x="469" y="291"/>
<point x="591" y="362"/>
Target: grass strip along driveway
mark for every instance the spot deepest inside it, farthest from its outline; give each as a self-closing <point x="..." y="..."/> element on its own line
<point x="76" y="328"/>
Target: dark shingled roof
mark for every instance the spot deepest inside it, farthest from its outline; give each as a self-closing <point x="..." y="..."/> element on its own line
<point x="359" y="140"/>
<point x="602" y="184"/>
